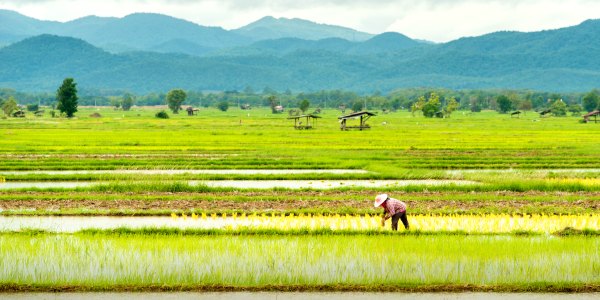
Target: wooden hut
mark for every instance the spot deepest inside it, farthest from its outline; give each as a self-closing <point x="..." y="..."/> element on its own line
<point x="362" y="115"/>
<point x="310" y="121"/>
<point x="586" y="117"/>
<point x="192" y="111"/>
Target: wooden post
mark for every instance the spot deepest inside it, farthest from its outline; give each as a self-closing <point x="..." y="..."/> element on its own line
<point x="361" y="122"/>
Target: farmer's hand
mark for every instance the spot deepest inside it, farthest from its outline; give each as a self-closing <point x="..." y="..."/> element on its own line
<point x="382" y="222"/>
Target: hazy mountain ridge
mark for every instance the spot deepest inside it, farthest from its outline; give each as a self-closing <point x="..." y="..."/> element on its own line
<point x="269" y="28"/>
<point x="566" y="59"/>
<point x="153" y="32"/>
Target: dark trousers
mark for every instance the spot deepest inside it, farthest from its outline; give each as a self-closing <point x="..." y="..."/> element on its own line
<point x="399" y="216"/>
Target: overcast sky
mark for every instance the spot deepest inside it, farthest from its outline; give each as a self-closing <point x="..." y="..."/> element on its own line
<point x="434" y="20"/>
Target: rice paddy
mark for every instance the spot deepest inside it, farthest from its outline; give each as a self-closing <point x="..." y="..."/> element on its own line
<point x="242" y="201"/>
<point x="96" y="262"/>
<point x="476" y="224"/>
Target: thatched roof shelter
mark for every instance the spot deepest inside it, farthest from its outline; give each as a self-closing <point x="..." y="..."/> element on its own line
<point x="362" y="115"/>
<point x="298" y="123"/>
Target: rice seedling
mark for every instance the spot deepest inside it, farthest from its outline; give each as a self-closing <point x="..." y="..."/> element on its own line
<point x="84" y="261"/>
<point x="485" y="142"/>
<point x="426" y="223"/>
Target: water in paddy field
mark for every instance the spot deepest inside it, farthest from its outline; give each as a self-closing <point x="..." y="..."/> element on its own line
<point x="179" y="172"/>
<point x="300" y="296"/>
<point x="481" y="224"/>
<point x="250" y="184"/>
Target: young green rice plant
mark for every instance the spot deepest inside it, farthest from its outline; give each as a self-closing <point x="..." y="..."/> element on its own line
<point x="111" y="262"/>
<point x="466" y="223"/>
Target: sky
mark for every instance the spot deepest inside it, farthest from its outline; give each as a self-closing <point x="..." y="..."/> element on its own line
<point x="433" y="20"/>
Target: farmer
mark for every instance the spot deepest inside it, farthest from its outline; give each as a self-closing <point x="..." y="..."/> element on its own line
<point x="392" y="208"/>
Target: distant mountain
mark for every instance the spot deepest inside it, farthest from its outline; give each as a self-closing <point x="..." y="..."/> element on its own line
<point x="384" y="43"/>
<point x="147" y="31"/>
<point x="181" y="46"/>
<point x="164" y="34"/>
<point x="269" y="28"/>
<point x="141" y="31"/>
<point x="15" y="27"/>
<point x="566" y="59"/>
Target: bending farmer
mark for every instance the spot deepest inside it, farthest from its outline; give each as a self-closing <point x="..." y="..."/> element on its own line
<point x="393" y="208"/>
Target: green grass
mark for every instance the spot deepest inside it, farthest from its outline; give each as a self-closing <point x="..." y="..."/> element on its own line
<point x="100" y="261"/>
<point x="209" y="260"/>
<point x="263" y="140"/>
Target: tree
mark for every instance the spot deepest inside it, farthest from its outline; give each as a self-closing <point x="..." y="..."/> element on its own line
<point x="175" y="98"/>
<point x="116" y="102"/>
<point x="475" y="104"/>
<point x="526" y="105"/>
<point x="575" y="109"/>
<point x="9" y="106"/>
<point x="357" y="105"/>
<point x="273" y="103"/>
<point x="66" y="96"/>
<point x="559" y="108"/>
<point x="303" y="105"/>
<point x="33" y="107"/>
<point x="223" y="106"/>
<point x="417" y="106"/>
<point x="451" y="106"/>
<point x="591" y="101"/>
<point x="504" y="104"/>
<point x="432" y="105"/>
<point x="127" y="102"/>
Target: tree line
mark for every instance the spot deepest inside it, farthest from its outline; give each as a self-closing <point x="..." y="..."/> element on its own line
<point x="429" y="102"/>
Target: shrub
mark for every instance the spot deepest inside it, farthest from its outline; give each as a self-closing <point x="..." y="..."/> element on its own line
<point x="559" y="108"/>
<point x="223" y="106"/>
<point x="162" y="115"/>
<point x="33" y="107"/>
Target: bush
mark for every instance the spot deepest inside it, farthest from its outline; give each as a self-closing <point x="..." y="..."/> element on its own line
<point x="559" y="108"/>
<point x="162" y="115"/>
<point x="33" y="107"/>
<point x="223" y="106"/>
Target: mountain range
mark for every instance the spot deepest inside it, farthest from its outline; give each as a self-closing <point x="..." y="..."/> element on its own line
<point x="154" y="53"/>
<point x="161" y="33"/>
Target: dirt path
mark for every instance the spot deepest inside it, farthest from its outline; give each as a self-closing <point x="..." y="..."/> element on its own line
<point x="434" y="205"/>
<point x="422" y="202"/>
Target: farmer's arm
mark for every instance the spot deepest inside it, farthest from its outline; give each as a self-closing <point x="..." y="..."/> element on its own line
<point x="386" y="215"/>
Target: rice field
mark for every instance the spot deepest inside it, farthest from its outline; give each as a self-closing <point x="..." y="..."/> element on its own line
<point x="236" y="140"/>
<point x="468" y="224"/>
<point x="100" y="262"/>
<point x="147" y="208"/>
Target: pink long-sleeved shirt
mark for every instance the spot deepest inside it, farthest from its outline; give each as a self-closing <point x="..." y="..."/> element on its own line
<point x="393" y="206"/>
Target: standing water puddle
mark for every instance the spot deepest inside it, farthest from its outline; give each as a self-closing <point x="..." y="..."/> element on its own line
<point x="250" y="184"/>
<point x="179" y="172"/>
<point x="299" y="296"/>
<point x="481" y="224"/>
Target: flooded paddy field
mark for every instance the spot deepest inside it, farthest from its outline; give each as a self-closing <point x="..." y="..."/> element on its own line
<point x="299" y="296"/>
<point x="168" y="261"/>
<point x="249" y="184"/>
<point x="178" y="172"/>
<point x="467" y="224"/>
<point x="494" y="205"/>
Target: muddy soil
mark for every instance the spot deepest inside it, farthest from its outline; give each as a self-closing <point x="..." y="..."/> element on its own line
<point x="302" y="200"/>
